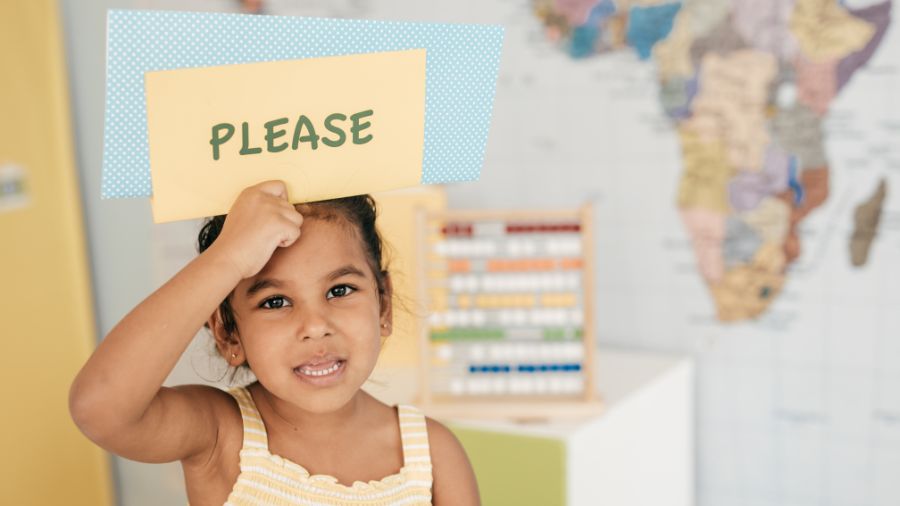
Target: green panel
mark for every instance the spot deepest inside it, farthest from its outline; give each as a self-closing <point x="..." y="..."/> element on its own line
<point x="516" y="470"/>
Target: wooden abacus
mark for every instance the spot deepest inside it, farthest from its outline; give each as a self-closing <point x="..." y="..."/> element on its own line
<point x="510" y="329"/>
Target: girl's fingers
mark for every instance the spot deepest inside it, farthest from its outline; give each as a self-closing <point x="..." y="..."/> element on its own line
<point x="274" y="187"/>
<point x="292" y="232"/>
<point x="289" y="211"/>
<point x="288" y="241"/>
<point x="294" y="216"/>
<point x="278" y="189"/>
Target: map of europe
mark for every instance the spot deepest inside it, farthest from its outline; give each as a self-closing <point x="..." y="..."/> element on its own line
<point x="747" y="85"/>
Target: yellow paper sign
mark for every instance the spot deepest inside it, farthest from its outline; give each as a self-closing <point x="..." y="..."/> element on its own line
<point x="329" y="127"/>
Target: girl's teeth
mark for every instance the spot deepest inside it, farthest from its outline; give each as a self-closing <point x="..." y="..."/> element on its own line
<point x="320" y="372"/>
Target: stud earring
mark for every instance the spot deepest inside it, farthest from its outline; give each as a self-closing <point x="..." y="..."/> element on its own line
<point x="234" y="355"/>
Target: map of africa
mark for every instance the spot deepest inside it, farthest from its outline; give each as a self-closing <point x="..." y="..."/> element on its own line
<point x="748" y="85"/>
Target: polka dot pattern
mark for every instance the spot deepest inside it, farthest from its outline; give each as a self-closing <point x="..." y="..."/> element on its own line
<point x="461" y="72"/>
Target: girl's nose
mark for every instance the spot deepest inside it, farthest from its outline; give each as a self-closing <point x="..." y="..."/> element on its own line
<point x="313" y="324"/>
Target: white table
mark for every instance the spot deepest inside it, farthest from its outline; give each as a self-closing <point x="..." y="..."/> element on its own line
<point x="638" y="452"/>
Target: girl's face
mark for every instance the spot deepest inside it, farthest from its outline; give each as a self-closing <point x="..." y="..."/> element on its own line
<point x="310" y="323"/>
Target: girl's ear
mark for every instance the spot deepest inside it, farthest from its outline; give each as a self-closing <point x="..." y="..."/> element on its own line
<point x="228" y="344"/>
<point x="387" y="314"/>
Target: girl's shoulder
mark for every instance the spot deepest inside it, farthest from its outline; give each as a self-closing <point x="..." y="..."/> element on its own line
<point x="214" y="474"/>
<point x="454" y="479"/>
<point x="225" y="408"/>
<point x="450" y="467"/>
<point x="445" y="447"/>
<point x="222" y="403"/>
<point x="440" y="438"/>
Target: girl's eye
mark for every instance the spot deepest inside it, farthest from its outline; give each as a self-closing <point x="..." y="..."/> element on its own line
<point x="340" y="291"/>
<point x="274" y="303"/>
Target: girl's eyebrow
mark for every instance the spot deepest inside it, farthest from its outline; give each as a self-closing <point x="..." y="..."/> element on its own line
<point x="262" y="284"/>
<point x="344" y="271"/>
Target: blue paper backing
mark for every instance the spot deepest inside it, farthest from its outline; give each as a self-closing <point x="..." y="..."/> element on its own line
<point x="461" y="74"/>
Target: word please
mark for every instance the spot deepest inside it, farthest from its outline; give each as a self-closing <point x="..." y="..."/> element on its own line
<point x="304" y="131"/>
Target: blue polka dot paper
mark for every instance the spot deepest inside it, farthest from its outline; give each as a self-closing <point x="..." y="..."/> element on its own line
<point x="461" y="73"/>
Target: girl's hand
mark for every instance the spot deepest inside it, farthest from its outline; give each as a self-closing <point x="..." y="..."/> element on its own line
<point x="260" y="220"/>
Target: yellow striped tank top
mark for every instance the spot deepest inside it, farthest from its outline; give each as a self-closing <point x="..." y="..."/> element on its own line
<point x="273" y="480"/>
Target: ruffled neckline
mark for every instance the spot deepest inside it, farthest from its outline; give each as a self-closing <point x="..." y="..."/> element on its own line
<point x="390" y="481"/>
<point x="303" y="474"/>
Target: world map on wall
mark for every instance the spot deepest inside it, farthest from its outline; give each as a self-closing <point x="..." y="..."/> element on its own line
<point x="747" y="85"/>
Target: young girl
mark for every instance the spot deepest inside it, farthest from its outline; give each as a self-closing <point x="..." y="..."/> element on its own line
<point x="305" y="309"/>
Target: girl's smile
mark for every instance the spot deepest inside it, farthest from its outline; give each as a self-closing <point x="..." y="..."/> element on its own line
<point x="322" y="373"/>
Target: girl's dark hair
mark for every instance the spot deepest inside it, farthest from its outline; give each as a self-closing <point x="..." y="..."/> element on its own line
<point x="358" y="213"/>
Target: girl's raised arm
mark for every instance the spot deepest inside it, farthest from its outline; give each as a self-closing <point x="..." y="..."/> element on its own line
<point x="117" y="398"/>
